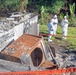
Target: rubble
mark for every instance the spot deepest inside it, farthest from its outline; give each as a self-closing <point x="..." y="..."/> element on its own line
<point x="20" y="43"/>
<point x="12" y="27"/>
<point x="64" y="58"/>
<point x="8" y="66"/>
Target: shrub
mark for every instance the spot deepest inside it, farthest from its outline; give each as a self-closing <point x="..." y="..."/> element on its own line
<point x="56" y="6"/>
<point x="72" y="19"/>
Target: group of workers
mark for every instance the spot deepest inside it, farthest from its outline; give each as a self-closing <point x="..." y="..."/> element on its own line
<point x="52" y="27"/>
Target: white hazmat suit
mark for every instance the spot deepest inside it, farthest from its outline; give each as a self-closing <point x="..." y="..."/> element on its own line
<point x="52" y="27"/>
<point x="64" y="24"/>
<point x="55" y="22"/>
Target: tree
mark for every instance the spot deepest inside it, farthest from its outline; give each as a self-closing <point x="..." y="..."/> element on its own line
<point x="9" y="6"/>
<point x="13" y="5"/>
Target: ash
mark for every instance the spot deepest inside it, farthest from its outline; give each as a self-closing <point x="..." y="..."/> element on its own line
<point x="66" y="58"/>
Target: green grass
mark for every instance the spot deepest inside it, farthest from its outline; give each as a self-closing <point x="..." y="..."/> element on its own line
<point x="71" y="37"/>
<point x="43" y="29"/>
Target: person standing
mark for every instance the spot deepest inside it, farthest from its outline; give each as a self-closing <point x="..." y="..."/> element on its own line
<point x="64" y="24"/>
<point x="55" y="22"/>
<point x="52" y="27"/>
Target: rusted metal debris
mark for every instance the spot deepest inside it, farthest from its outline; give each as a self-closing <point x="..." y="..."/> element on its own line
<point x="29" y="50"/>
<point x="48" y="65"/>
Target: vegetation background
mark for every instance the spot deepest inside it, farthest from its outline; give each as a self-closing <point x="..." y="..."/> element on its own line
<point x="45" y="10"/>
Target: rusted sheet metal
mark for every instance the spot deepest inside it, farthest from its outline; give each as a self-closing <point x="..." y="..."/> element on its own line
<point x="48" y="64"/>
<point x="27" y="49"/>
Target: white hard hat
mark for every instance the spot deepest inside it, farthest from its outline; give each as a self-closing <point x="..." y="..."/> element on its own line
<point x="65" y="17"/>
<point x="55" y="16"/>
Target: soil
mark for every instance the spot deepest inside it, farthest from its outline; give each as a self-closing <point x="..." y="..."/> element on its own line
<point x="60" y="43"/>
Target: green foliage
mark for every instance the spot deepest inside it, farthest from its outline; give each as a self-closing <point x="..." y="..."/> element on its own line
<point x="43" y="29"/>
<point x="42" y="15"/>
<point x="37" y="8"/>
<point x="44" y="18"/>
<point x="42" y="9"/>
<point x="53" y="7"/>
<point x="61" y="16"/>
<point x="42" y="12"/>
<point x="72" y="8"/>
<point x="56" y="6"/>
<point x="9" y="5"/>
<point x="27" y="2"/>
<point x="72" y="19"/>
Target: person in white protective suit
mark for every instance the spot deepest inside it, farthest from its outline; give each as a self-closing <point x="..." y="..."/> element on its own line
<point x="52" y="27"/>
<point x="55" y="22"/>
<point x="64" y="24"/>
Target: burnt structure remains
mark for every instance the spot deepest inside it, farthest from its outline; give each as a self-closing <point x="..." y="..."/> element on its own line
<point x="20" y="43"/>
<point x="22" y="49"/>
<point x="18" y="23"/>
